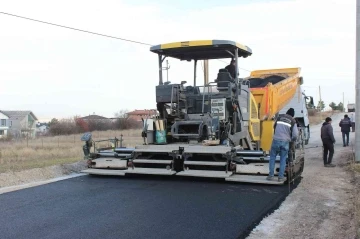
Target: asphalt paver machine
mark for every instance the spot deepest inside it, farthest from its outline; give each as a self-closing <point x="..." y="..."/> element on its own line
<point x="222" y="129"/>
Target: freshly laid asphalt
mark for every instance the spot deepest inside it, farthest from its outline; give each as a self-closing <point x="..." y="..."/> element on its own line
<point x="136" y="207"/>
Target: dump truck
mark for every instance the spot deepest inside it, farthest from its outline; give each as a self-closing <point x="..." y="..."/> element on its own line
<point x="300" y="103"/>
<point x="222" y="129"/>
<point x="351" y="107"/>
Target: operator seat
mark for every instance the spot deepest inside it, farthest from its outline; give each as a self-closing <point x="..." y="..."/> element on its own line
<point x="223" y="79"/>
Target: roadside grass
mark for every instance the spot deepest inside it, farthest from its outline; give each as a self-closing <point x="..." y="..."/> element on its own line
<point x="318" y="117"/>
<point x="49" y="151"/>
<point x="354" y="168"/>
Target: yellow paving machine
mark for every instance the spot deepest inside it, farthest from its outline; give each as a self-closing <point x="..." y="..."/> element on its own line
<point x="222" y="129"/>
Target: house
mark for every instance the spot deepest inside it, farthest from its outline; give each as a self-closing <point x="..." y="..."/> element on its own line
<point x="97" y="119"/>
<point x="42" y="128"/>
<point x="138" y="114"/>
<point x="4" y="125"/>
<point x="21" y="123"/>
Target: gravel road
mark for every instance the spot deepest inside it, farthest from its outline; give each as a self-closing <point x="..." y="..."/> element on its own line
<point x="322" y="206"/>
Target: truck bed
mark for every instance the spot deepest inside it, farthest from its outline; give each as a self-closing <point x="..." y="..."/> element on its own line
<point x="273" y="89"/>
<point x="263" y="82"/>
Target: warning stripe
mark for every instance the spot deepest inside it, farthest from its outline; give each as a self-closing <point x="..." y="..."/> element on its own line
<point x="284" y="123"/>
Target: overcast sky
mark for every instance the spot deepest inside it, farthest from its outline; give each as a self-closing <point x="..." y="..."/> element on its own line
<point x="60" y="73"/>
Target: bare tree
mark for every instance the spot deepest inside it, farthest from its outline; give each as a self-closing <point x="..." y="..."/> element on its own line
<point x="124" y="122"/>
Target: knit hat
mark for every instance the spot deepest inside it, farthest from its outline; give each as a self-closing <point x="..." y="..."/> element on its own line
<point x="291" y="112"/>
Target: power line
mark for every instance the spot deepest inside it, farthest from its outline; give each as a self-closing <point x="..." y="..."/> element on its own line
<point x="76" y="29"/>
<point x="94" y="33"/>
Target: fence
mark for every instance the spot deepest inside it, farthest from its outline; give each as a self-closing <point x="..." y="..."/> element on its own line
<point x="50" y="150"/>
<point x="129" y="136"/>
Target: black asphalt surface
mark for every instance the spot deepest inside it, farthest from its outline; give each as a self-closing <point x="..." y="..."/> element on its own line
<point x="137" y="207"/>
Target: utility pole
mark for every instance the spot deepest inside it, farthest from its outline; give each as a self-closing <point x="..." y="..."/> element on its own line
<point x="167" y="70"/>
<point x="357" y="85"/>
<point x="320" y="103"/>
<point x="343" y="102"/>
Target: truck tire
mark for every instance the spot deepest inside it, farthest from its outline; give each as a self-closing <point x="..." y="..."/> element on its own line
<point x="308" y="131"/>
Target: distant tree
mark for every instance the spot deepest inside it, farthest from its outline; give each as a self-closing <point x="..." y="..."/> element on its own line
<point x="333" y="106"/>
<point x="321" y="105"/>
<point x="77" y="125"/>
<point x="340" y="106"/>
<point x="53" y="122"/>
<point x="122" y="114"/>
<point x="81" y="125"/>
<point x="124" y="122"/>
<point x="62" y="127"/>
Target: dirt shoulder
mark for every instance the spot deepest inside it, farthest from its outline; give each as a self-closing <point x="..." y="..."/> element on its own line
<point x="323" y="204"/>
<point x="9" y="179"/>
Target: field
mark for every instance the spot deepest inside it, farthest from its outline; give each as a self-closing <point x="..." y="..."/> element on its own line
<point x="48" y="151"/>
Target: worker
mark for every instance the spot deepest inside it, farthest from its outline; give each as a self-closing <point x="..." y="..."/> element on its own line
<point x="345" y="125"/>
<point x="328" y="140"/>
<point x="285" y="132"/>
<point x="352" y="119"/>
<point x="232" y="68"/>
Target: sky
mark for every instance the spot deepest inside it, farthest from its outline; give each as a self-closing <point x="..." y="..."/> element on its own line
<point x="60" y="73"/>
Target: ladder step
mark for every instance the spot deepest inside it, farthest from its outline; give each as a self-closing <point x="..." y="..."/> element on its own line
<point x="255" y="168"/>
<point x="109" y="172"/>
<point x="205" y="163"/>
<point x="252" y="179"/>
<point x="157" y="161"/>
<point x="112" y="154"/>
<point x="152" y="171"/>
<point x="204" y="173"/>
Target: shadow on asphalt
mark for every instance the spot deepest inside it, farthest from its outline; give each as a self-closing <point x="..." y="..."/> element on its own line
<point x="293" y="185"/>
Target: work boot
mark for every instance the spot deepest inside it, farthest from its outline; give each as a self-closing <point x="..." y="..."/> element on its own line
<point x="282" y="179"/>
<point x="269" y="178"/>
<point x="331" y="165"/>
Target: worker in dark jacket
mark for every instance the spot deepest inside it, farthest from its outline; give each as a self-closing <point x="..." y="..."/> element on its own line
<point x="285" y="131"/>
<point x="328" y="140"/>
<point x="345" y="125"/>
<point x="232" y="68"/>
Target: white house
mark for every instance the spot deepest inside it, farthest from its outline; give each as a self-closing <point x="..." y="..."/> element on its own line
<point x="4" y="124"/>
<point x="42" y="128"/>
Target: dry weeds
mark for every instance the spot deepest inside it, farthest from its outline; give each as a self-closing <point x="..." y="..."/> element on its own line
<point x="48" y="151"/>
<point x="319" y="117"/>
<point x="355" y="170"/>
